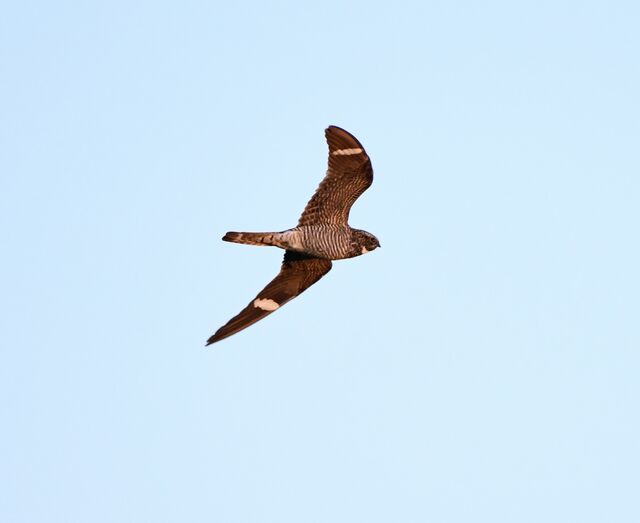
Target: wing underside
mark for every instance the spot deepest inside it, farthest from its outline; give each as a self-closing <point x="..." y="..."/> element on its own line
<point x="297" y="273"/>
<point x="349" y="174"/>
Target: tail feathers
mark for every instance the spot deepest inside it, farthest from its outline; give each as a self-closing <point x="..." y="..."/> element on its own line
<point x="250" y="238"/>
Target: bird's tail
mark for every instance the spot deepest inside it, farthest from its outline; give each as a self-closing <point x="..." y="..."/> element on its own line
<point x="252" y="238"/>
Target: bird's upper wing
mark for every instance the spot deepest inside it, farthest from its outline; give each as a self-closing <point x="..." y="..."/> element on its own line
<point x="298" y="272"/>
<point x="349" y="175"/>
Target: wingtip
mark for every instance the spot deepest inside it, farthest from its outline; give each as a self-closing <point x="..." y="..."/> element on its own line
<point x="341" y="138"/>
<point x="333" y="128"/>
<point x="215" y="338"/>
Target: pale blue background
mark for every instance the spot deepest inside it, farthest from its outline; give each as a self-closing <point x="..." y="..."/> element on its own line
<point x="483" y="366"/>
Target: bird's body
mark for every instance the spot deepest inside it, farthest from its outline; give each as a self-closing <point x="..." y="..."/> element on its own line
<point x="322" y="234"/>
<point x="329" y="241"/>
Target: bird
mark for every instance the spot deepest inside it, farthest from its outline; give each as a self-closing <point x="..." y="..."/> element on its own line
<point x="322" y="234"/>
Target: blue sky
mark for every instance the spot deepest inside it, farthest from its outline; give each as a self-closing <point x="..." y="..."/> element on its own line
<point x="482" y="366"/>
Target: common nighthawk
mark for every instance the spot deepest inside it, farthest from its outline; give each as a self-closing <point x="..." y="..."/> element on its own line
<point x="322" y="234"/>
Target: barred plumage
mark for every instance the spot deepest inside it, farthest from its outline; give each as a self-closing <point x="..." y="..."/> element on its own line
<point x="322" y="234"/>
<point x="329" y="241"/>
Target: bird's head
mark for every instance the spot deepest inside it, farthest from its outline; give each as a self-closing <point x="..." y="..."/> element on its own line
<point x="366" y="241"/>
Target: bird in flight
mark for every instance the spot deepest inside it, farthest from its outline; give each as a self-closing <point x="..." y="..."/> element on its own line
<point x="322" y="234"/>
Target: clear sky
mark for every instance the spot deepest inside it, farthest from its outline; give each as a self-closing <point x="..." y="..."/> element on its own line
<point x="482" y="366"/>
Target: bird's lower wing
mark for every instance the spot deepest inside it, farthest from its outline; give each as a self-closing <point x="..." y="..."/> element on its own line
<point x="298" y="272"/>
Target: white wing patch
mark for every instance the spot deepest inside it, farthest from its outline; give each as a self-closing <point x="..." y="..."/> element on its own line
<point x="347" y="152"/>
<point x="265" y="304"/>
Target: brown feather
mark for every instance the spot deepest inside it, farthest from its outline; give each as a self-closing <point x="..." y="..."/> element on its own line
<point x="297" y="273"/>
<point x="348" y="176"/>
